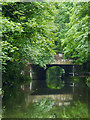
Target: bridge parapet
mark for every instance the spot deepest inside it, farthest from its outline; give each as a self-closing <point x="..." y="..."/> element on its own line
<point x="61" y="99"/>
<point x="60" y="60"/>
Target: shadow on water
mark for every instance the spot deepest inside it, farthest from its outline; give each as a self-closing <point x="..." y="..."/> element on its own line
<point x="53" y="98"/>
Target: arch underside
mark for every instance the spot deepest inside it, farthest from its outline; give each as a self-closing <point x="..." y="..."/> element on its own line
<point x="39" y="73"/>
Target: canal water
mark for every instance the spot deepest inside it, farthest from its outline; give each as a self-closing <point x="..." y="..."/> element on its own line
<point x="58" y="96"/>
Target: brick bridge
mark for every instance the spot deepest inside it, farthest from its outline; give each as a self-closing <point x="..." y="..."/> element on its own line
<point x="60" y="60"/>
<point x="39" y="73"/>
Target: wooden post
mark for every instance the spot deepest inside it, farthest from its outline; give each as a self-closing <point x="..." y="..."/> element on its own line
<point x="73" y="74"/>
<point x="73" y="71"/>
<point x="30" y="72"/>
<point x="30" y="86"/>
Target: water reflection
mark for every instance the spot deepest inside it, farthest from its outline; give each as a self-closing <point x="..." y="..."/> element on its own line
<point x="39" y="87"/>
<point x="54" y="77"/>
<point x="63" y="99"/>
<point x="19" y="103"/>
<point x="38" y="99"/>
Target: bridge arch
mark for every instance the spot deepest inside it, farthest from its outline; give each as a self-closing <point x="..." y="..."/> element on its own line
<point x="67" y="68"/>
<point x="39" y="73"/>
<point x="54" y="75"/>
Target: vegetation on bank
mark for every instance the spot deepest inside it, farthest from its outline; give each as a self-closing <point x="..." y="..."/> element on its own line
<point x="45" y="108"/>
<point x="35" y="31"/>
<point x="88" y="81"/>
<point x="27" y="32"/>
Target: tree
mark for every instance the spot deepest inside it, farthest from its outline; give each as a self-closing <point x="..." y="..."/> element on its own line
<point x="61" y="18"/>
<point x="75" y="42"/>
<point x="27" y="32"/>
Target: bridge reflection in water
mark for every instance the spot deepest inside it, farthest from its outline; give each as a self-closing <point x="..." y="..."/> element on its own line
<point x="37" y="90"/>
<point x="62" y="99"/>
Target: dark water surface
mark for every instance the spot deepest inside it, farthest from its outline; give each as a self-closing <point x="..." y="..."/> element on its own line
<point x="18" y="101"/>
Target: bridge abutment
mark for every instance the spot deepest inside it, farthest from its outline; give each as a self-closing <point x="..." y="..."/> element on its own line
<point x="37" y="72"/>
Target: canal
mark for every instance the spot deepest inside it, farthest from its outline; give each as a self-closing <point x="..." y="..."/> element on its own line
<point x="58" y="96"/>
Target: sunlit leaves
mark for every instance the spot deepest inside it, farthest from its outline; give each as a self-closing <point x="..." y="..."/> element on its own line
<point x="76" y="39"/>
<point x="61" y="20"/>
<point x="10" y="26"/>
<point x="29" y="28"/>
<point x="7" y="49"/>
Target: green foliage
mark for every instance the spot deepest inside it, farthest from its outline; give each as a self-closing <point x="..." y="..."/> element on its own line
<point x="27" y="37"/>
<point x="53" y="79"/>
<point x="88" y="81"/>
<point x="61" y="18"/>
<point x="72" y="33"/>
<point x="13" y="76"/>
<point x="78" y="110"/>
<point x="7" y="50"/>
<point x="75" y="42"/>
<point x="75" y="79"/>
<point x="42" y="108"/>
<point x="3" y="92"/>
<point x="30" y="32"/>
<point x="28" y="27"/>
<point x="45" y="108"/>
